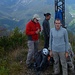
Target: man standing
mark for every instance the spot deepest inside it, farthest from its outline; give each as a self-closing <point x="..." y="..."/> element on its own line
<point x="32" y="31"/>
<point x="46" y="29"/>
<point x="58" y="46"/>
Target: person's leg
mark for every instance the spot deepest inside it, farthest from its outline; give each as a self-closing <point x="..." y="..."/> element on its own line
<point x="30" y="52"/>
<point x="36" y="44"/>
<point x="63" y="63"/>
<point x="46" y="42"/>
<point x="56" y="62"/>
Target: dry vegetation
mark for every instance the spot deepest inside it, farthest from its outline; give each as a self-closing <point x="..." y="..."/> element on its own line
<point x="18" y="66"/>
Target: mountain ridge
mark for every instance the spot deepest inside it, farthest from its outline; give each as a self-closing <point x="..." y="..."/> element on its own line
<point x="21" y="11"/>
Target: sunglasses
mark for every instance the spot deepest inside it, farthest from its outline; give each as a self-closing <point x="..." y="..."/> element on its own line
<point x="37" y="20"/>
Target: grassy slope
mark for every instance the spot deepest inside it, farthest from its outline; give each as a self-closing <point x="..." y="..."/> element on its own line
<point x="17" y="65"/>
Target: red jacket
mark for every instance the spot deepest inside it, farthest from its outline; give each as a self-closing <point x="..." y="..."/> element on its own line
<point x="31" y="29"/>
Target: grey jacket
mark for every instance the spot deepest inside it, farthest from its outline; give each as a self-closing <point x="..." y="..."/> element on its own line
<point x="58" y="40"/>
<point x="46" y="28"/>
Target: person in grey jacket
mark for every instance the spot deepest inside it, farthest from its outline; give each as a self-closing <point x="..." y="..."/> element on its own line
<point x="46" y="29"/>
<point x="58" y="46"/>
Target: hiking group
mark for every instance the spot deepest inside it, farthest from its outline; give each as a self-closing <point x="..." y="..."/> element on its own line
<point x="57" y="49"/>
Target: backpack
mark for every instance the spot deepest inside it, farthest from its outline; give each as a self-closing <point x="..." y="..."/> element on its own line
<point x="41" y="61"/>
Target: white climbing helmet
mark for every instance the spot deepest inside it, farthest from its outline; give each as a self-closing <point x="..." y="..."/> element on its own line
<point x="45" y="51"/>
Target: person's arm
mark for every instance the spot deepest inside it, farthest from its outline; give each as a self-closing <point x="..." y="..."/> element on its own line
<point x="50" y="43"/>
<point x="39" y="26"/>
<point x="66" y="43"/>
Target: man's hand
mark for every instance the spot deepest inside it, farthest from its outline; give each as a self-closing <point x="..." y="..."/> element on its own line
<point x="51" y="53"/>
<point x="66" y="54"/>
<point x="37" y="31"/>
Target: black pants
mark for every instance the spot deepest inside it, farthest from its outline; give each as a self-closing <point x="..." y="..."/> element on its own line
<point x="46" y="42"/>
